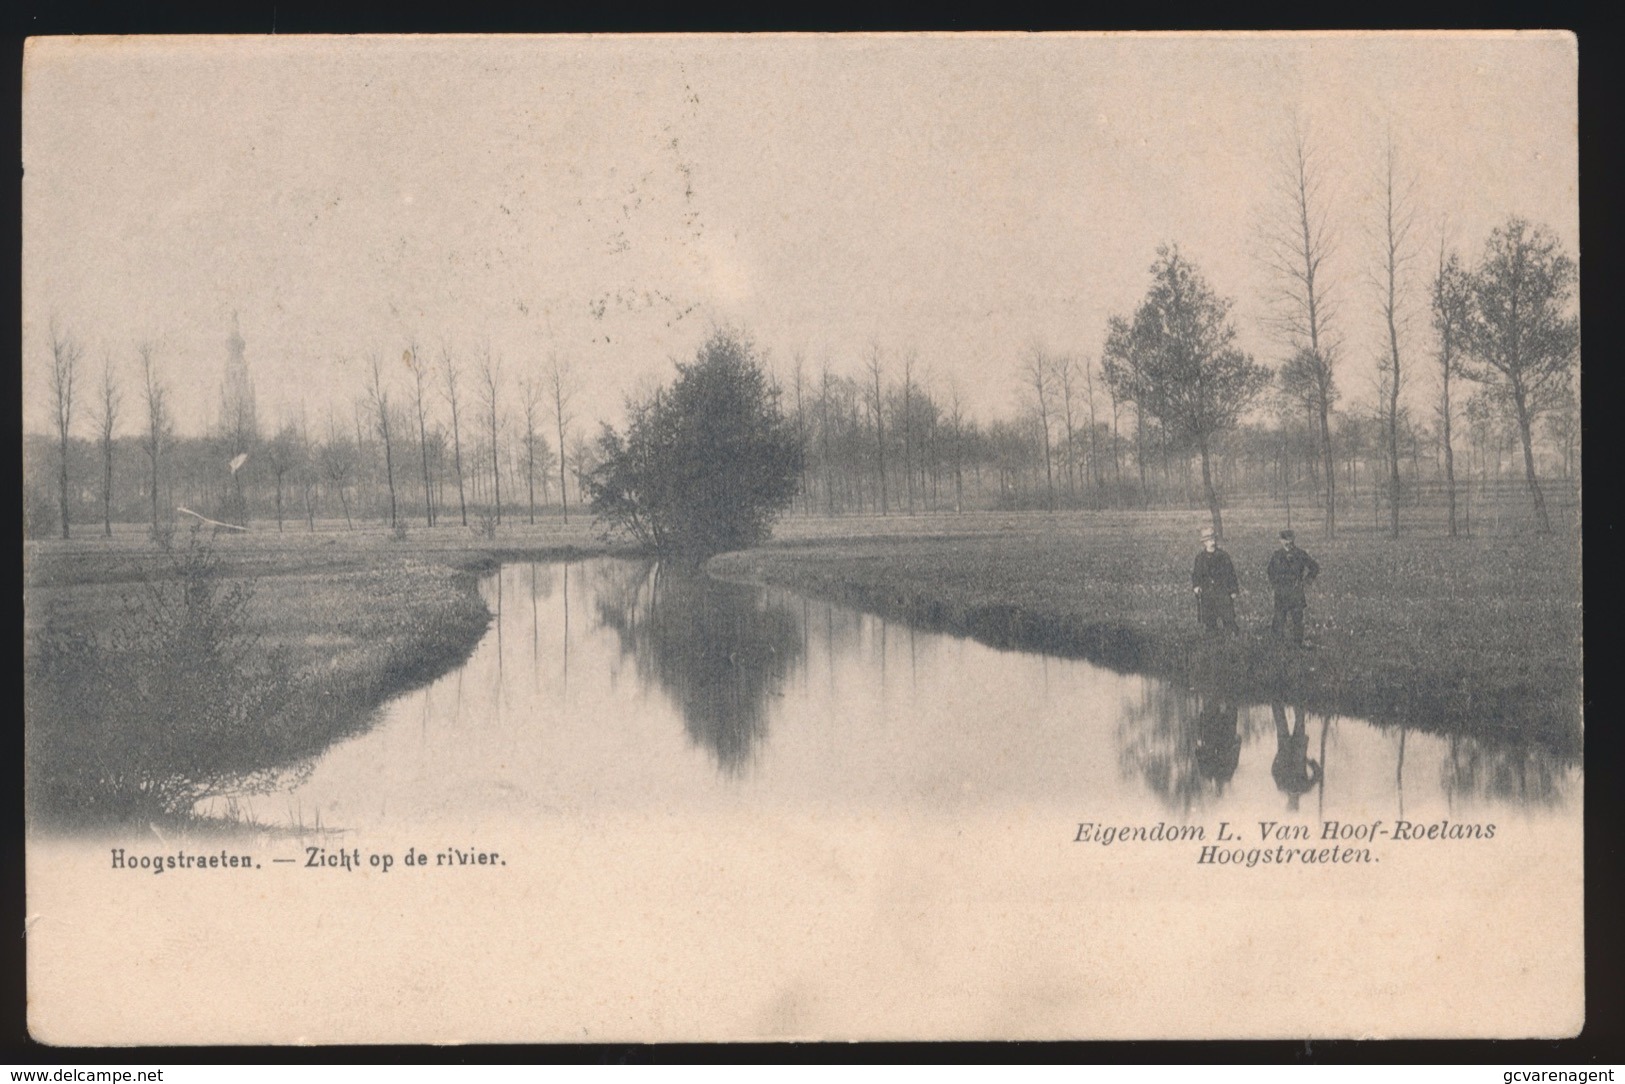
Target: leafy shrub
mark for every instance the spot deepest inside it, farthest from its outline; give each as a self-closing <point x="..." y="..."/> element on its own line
<point x="705" y="465"/>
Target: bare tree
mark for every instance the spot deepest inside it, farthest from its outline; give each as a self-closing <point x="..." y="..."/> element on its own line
<point x="282" y="454"/>
<point x="798" y="380"/>
<point x="107" y="419"/>
<point x="339" y="458"/>
<point x="1451" y="303"/>
<point x="824" y="437"/>
<point x="530" y="401"/>
<point x="420" y="374"/>
<point x="878" y="404"/>
<point x="562" y="386"/>
<point x="491" y="379"/>
<point x="155" y="398"/>
<point x="1066" y="376"/>
<point x="908" y="427"/>
<point x="1094" y="441"/>
<point x="307" y="471"/>
<point x="1040" y="382"/>
<point x="1396" y="255"/>
<point x="449" y="373"/>
<point x="1297" y="241"/>
<point x="65" y="355"/>
<point x="378" y="398"/>
<point x="956" y="421"/>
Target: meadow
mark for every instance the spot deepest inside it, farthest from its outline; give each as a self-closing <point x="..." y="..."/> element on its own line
<point x="1479" y="634"/>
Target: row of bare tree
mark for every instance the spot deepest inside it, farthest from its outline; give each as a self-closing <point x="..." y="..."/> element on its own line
<point x="1074" y="443"/>
<point x="459" y="440"/>
<point x="1505" y="322"/>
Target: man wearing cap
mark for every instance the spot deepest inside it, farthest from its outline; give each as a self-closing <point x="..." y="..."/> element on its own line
<point x="1289" y="570"/>
<point x="1214" y="579"/>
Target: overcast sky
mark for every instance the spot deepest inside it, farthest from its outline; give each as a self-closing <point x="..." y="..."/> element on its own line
<point x="612" y="199"/>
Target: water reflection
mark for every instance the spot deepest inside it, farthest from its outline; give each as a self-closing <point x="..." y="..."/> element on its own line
<point x="1294" y="771"/>
<point x="681" y="692"/>
<point x="1185" y="746"/>
<point x="1218" y="740"/>
<point x="721" y="651"/>
<point x="1193" y="747"/>
<point x="1528" y="775"/>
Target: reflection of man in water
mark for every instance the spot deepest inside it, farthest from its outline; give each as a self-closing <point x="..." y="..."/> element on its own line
<point x="1295" y="773"/>
<point x="1218" y="745"/>
<point x="1213" y="578"/>
<point x="1289" y="571"/>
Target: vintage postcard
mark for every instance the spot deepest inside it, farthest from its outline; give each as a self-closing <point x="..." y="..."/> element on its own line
<point x="672" y="538"/>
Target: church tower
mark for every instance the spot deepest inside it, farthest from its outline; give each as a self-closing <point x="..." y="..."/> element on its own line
<point x="237" y="418"/>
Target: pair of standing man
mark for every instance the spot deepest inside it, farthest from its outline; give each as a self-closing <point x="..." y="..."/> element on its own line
<point x="1214" y="579"/>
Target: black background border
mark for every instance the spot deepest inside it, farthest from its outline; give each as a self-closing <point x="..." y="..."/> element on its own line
<point x="1603" y="1039"/>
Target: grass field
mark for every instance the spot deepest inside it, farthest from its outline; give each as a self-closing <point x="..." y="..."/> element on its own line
<point x="1476" y="634"/>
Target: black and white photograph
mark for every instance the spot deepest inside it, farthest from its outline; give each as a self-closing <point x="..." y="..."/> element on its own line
<point x="783" y="537"/>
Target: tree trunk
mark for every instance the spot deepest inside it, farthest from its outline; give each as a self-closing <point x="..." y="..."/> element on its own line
<point x="1327" y="467"/>
<point x="880" y="447"/>
<point x="389" y="475"/>
<point x="457" y="456"/>
<point x="1211" y="493"/>
<point x="908" y="442"/>
<point x="428" y="484"/>
<point x="107" y="487"/>
<point x="496" y="463"/>
<point x="1542" y="522"/>
<point x="1139" y="450"/>
<point x="1393" y="434"/>
<point x="62" y="486"/>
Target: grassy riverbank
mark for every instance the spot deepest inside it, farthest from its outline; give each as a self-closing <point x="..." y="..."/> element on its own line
<point x="154" y="678"/>
<point x="1477" y="635"/>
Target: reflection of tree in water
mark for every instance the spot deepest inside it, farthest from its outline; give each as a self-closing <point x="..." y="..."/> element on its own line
<point x="543" y="579"/>
<point x="1524" y="773"/>
<point x="1185" y="746"/>
<point x="719" y="650"/>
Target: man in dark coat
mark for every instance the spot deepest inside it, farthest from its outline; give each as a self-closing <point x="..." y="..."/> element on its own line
<point x="1213" y="578"/>
<point x="1290" y="570"/>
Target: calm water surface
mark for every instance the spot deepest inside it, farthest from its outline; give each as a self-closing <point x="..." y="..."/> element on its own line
<point x="610" y="685"/>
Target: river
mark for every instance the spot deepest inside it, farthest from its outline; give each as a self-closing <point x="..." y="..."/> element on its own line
<point x="612" y="684"/>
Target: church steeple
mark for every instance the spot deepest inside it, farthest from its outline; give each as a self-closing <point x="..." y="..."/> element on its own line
<point x="237" y="419"/>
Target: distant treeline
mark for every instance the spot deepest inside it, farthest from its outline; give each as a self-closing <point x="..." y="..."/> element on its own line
<point x="934" y="458"/>
<point x="1170" y="414"/>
